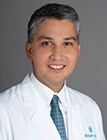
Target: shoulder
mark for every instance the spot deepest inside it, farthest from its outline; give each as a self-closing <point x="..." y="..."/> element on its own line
<point x="86" y="104"/>
<point x="7" y="102"/>
<point x="77" y="95"/>
<point x="14" y="94"/>
<point x="9" y="93"/>
<point x="82" y="100"/>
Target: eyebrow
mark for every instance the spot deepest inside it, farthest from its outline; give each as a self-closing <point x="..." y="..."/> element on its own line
<point x="45" y="37"/>
<point x="49" y="38"/>
<point x="70" y="38"/>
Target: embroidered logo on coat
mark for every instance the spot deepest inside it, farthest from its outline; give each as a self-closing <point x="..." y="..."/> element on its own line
<point x="91" y="134"/>
<point x="90" y="129"/>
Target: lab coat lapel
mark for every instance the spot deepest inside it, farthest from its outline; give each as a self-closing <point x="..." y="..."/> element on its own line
<point x="42" y="119"/>
<point x="75" y="120"/>
<point x="28" y="97"/>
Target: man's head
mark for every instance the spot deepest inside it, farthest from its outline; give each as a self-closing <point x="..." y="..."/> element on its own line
<point x="56" y="11"/>
<point x="53" y="44"/>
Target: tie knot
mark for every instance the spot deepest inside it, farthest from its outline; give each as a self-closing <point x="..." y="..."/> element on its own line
<point x="55" y="100"/>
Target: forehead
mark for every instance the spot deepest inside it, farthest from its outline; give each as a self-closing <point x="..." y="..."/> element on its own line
<point x="56" y="27"/>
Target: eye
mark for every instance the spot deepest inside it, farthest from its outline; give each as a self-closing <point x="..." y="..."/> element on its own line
<point x="68" y="44"/>
<point x="46" y="43"/>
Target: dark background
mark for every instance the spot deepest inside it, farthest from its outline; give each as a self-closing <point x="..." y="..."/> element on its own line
<point x="90" y="75"/>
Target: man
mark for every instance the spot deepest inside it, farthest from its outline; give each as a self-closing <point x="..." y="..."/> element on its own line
<point x="42" y="107"/>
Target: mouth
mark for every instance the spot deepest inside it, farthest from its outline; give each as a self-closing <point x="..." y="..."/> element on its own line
<point x="56" y="68"/>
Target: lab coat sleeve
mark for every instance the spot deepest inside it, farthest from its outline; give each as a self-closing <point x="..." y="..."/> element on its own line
<point x="99" y="121"/>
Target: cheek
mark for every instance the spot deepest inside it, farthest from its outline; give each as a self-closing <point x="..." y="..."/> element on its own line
<point x="40" y="58"/>
<point x="37" y="53"/>
<point x="72" y="58"/>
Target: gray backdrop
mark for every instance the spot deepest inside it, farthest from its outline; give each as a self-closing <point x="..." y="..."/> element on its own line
<point x="90" y="74"/>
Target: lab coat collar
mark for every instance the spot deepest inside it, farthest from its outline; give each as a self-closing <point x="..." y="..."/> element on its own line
<point x="74" y="99"/>
<point x="28" y="91"/>
<point x="36" y="109"/>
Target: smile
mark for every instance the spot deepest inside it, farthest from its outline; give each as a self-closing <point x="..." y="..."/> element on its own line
<point x="56" y="66"/>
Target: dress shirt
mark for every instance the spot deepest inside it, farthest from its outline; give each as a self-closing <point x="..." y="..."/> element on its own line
<point x="47" y="95"/>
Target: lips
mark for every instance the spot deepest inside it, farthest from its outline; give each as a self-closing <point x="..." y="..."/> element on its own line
<point x="56" y="66"/>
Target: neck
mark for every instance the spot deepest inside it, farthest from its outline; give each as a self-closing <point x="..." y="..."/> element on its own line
<point x="54" y="86"/>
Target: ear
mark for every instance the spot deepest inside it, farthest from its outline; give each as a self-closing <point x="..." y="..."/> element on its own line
<point x="28" y="48"/>
<point x="79" y="46"/>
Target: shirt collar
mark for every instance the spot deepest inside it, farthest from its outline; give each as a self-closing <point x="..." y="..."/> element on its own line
<point x="46" y="93"/>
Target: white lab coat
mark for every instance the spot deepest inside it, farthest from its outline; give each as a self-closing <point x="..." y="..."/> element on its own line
<point x="23" y="116"/>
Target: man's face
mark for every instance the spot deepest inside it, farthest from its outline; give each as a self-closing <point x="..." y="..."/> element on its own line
<point x="54" y="52"/>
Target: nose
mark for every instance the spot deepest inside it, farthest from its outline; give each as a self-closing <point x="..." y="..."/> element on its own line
<point x="57" y="53"/>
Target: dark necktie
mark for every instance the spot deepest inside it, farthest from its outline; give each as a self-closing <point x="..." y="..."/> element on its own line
<point x="57" y="117"/>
